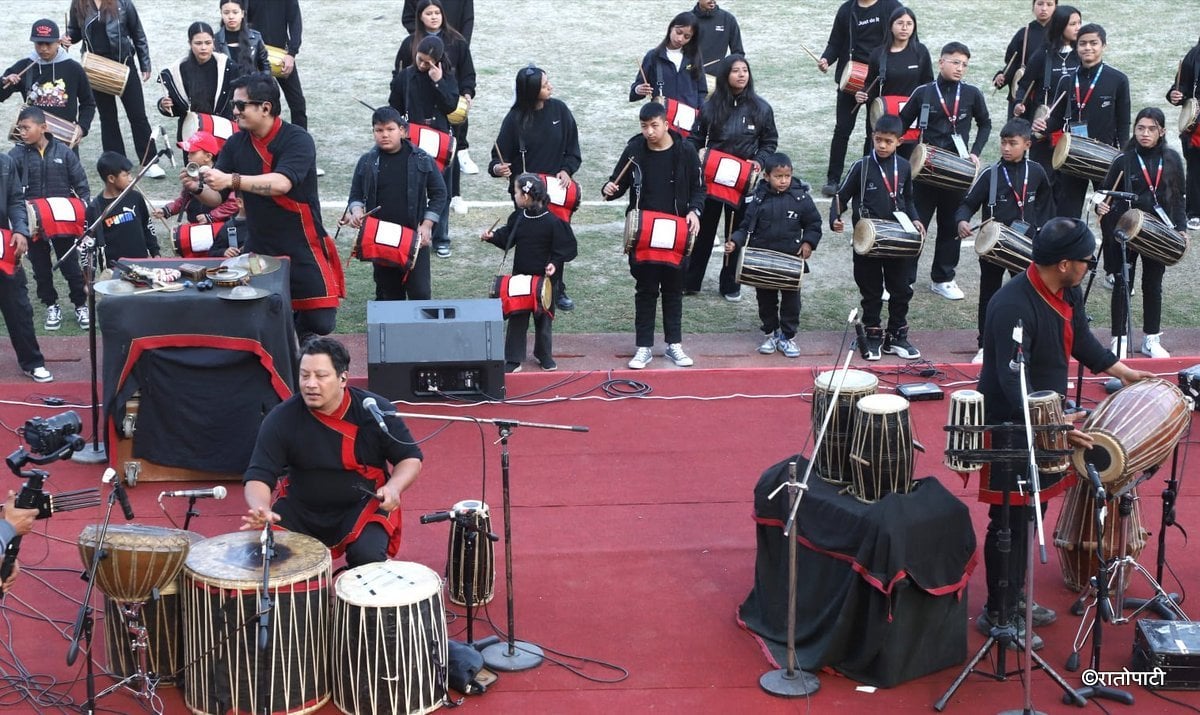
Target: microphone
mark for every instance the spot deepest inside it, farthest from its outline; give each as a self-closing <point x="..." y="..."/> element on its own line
<point x="1018" y="334"/>
<point x="1127" y="196"/>
<point x="370" y="405"/>
<point x="436" y="517"/>
<point x="1121" y="236"/>
<point x="861" y="332"/>
<point x="1094" y="476"/>
<point x="110" y="477"/>
<point x="162" y="137"/>
<point x="214" y="493"/>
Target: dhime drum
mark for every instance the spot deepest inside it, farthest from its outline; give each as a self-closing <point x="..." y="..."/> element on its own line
<point x="1001" y="245"/>
<point x="195" y="240"/>
<point x="434" y="142"/>
<point x="892" y="104"/>
<point x="390" y="652"/>
<point x="519" y="293"/>
<point x="459" y="115"/>
<point x="1132" y="430"/>
<point x="460" y="568"/>
<point x="105" y="75"/>
<point x="681" y="116"/>
<point x="1152" y="238"/>
<point x="727" y="178"/>
<point x="774" y="270"/>
<point x="940" y="167"/>
<point x="56" y="217"/>
<point x="563" y="201"/>
<point x="8" y="255"/>
<point x="222" y="585"/>
<point x="64" y="130"/>
<point x="139" y="559"/>
<point x="214" y="124"/>
<point x="1075" y="535"/>
<point x="657" y="237"/>
<point x="878" y="238"/>
<point x="965" y="431"/>
<point x="387" y="243"/>
<point x="832" y="457"/>
<point x="1189" y="113"/>
<point x="854" y="78"/>
<point x="275" y="57"/>
<point x="1045" y="409"/>
<point x="881" y="449"/>
<point x="1083" y="157"/>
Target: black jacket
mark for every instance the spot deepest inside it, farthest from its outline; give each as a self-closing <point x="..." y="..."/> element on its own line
<point x="902" y="71"/>
<point x="1039" y="198"/>
<point x="13" y="214"/>
<point x="173" y="82"/>
<point x="856" y="32"/>
<point x="548" y="144"/>
<point x="459" y="14"/>
<point x="1045" y="71"/>
<point x="422" y="100"/>
<point x="686" y="84"/>
<point x="251" y="56"/>
<point x="55" y="172"/>
<point x="1169" y="194"/>
<point x="687" y="181"/>
<point x="126" y="37"/>
<point x="867" y="194"/>
<point x="537" y="239"/>
<point x="60" y="87"/>
<point x="1188" y="80"/>
<point x="458" y="57"/>
<point x="748" y="133"/>
<point x="780" y="221"/>
<point x="720" y="35"/>
<point x="279" y="21"/>
<point x="940" y="131"/>
<point x="1107" y="111"/>
<point x="1023" y="46"/>
<point x="426" y="189"/>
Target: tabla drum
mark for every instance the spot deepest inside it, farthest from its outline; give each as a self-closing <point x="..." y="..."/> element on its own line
<point x="222" y="585"/>
<point x="1046" y="410"/>
<point x="105" y="75"/>
<point x="390" y="651"/>
<point x="774" y="270"/>
<point x="940" y="167"/>
<point x="1075" y="535"/>
<point x="1152" y="238"/>
<point x="1189" y="113"/>
<point x="459" y="569"/>
<point x="727" y="178"/>
<point x="434" y="142"/>
<point x="387" y="244"/>
<point x="275" y="57"/>
<point x="892" y="104"/>
<point x="1133" y="429"/>
<point x="832" y="457"/>
<point x="563" y="202"/>
<point x="854" y="78"/>
<point x="657" y="237"/>
<point x="64" y="130"/>
<point x="139" y="559"/>
<point x="56" y="217"/>
<point x="459" y="115"/>
<point x="965" y="430"/>
<point x="681" y="116"/>
<point x="878" y="238"/>
<point x="1003" y="246"/>
<point x="164" y="632"/>
<point x="519" y="293"/>
<point x="214" y="124"/>
<point x="881" y="448"/>
<point x="1083" y="157"/>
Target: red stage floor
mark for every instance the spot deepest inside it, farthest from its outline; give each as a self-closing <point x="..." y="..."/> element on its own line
<point x="634" y="545"/>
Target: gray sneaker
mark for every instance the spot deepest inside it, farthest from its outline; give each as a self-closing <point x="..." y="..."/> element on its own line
<point x="53" y="317"/>
<point x="788" y="347"/>
<point x="641" y="358"/>
<point x="676" y="354"/>
<point x="986" y="621"/>
<point x="768" y="343"/>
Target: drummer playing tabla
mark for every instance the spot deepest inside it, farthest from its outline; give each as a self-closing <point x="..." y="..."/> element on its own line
<point x="344" y="474"/>
<point x="1014" y="191"/>
<point x="1047" y="302"/>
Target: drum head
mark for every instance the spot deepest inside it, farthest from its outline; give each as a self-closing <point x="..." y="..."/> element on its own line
<point x="864" y="236"/>
<point x="1187" y="115"/>
<point x="882" y="404"/>
<point x="1061" y="151"/>
<point x="235" y="560"/>
<point x="1106" y="454"/>
<point x="855" y="381"/>
<point x="1131" y="222"/>
<point x="387" y="583"/>
<point x="986" y="237"/>
<point x="1044" y="396"/>
<point x="970" y="396"/>
<point x="878" y="107"/>
<point x="471" y="505"/>
<point x="917" y="161"/>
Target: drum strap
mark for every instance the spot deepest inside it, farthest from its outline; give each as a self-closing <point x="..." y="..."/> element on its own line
<point x="863" y="211"/>
<point x="511" y="239"/>
<point x="993" y="182"/>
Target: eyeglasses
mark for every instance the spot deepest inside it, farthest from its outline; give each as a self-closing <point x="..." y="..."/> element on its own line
<point x="240" y="104"/>
<point x="1091" y="262"/>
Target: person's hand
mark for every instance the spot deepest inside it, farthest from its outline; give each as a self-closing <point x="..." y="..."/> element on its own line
<point x="158" y="213"/>
<point x="1018" y="109"/>
<point x="353" y="218"/>
<point x="19" y="244"/>
<point x="860" y="96"/>
<point x="145" y="76"/>
<point x="20" y="519"/>
<point x="964" y="229"/>
<point x="998" y="81"/>
<point x="486" y="236"/>
<point x="470" y="100"/>
<point x="1039" y="124"/>
<point x="823" y="64"/>
<point x="435" y="72"/>
<point x="729" y="246"/>
<point x="755" y="166"/>
<point x="838" y="225"/>
<point x="166" y="104"/>
<point x="257" y="518"/>
<point x="550" y="270"/>
<point x="975" y="159"/>
<point x="389" y="497"/>
<point x="1102" y="208"/>
<point x="920" y="227"/>
<point x="232" y="252"/>
<point x="66" y="42"/>
<point x="564" y="179"/>
<point x="1175" y="97"/>
<point x="503" y="170"/>
<point x="693" y="223"/>
<point x="425" y="235"/>
<point x="289" y="65"/>
<point x="643" y="90"/>
<point x="1079" y="439"/>
<point x="11" y="79"/>
<point x="1128" y="375"/>
<point x="12" y="578"/>
<point x="806" y="250"/>
<point x="609" y="189"/>
<point x="215" y="179"/>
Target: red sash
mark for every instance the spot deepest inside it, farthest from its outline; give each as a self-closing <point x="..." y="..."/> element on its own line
<point x="387" y="243"/>
<point x="892" y="104"/>
<point x="1194" y="140"/>
<point x="8" y="255"/>
<point x="195" y="240"/>
<point x="726" y="177"/>
<point x="681" y="116"/>
<point x="563" y="202"/>
<point x="661" y="238"/>
<point x="523" y="294"/>
<point x="433" y="142"/>
<point x="57" y="217"/>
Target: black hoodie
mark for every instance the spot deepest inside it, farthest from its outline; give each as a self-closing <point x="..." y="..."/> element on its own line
<point x="59" y="87"/>
<point x="780" y="220"/>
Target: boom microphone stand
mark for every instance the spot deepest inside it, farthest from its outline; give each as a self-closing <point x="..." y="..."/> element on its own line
<point x="1166" y="607"/>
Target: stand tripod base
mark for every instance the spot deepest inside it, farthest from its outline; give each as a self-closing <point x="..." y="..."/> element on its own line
<point x="789" y="685"/>
<point x="1099" y="691"/>
<point x="523" y="656"/>
<point x="91" y="454"/>
<point x="1165" y="607"/>
<point x="1022" y="712"/>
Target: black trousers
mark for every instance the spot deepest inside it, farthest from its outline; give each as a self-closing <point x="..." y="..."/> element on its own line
<point x="697" y="264"/>
<point x="135" y="110"/>
<point x="779" y="310"/>
<point x="318" y="321"/>
<point x="932" y="199"/>
<point x="18" y="319"/>
<point x="1152" y="279"/>
<point x="1069" y="193"/>
<point x="518" y="329"/>
<point x="871" y="275"/>
<point x="1191" y="155"/>
<point x="398" y="284"/>
<point x="847" y="113"/>
<point x="651" y="280"/>
<point x="993" y="558"/>
<point x="441" y="232"/>
<point x="370" y="546"/>
<point x="294" y="94"/>
<point x="43" y="274"/>
<point x="461" y="144"/>
<point x="991" y="277"/>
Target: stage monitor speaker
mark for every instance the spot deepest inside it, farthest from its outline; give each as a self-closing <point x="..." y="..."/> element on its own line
<point x="420" y="350"/>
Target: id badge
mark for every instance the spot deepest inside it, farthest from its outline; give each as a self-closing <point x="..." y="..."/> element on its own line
<point x="906" y="223"/>
<point x="961" y="146"/>
<point x="1020" y="227"/>
<point x="1162" y="215"/>
<point x="1079" y="129"/>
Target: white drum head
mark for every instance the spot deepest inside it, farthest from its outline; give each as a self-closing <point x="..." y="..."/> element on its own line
<point x="855" y="380"/>
<point x="986" y="237"/>
<point x="882" y="404"/>
<point x="471" y="505"/>
<point x="387" y="584"/>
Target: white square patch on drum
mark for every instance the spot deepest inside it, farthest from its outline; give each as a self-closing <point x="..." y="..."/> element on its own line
<point x="727" y="173"/>
<point x="389" y="234"/>
<point x="662" y="234"/>
<point x="62" y="209"/>
<point x="556" y="191"/>
<point x="202" y="237"/>
<point x="685" y="117"/>
<point x="520" y="285"/>
<point x="429" y="142"/>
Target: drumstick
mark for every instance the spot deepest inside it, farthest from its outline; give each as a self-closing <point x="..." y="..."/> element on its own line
<point x="809" y="52"/>
<point x="727" y="234"/>
<point x="495" y="224"/>
<point x="713" y="62"/>
<point x="621" y="175"/>
<point x="642" y="72"/>
<point x="20" y="74"/>
<point x="1116" y="182"/>
<point x="499" y="156"/>
<point x="356" y="99"/>
<point x="1004" y="72"/>
<point x="1178" y="70"/>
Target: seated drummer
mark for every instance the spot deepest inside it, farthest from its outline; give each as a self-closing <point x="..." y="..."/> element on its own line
<point x="879" y="186"/>
<point x="344" y="476"/>
<point x="1014" y="191"/>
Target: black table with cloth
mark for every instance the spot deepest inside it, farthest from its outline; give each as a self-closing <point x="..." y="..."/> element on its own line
<point x="207" y="369"/>
<point x="881" y="588"/>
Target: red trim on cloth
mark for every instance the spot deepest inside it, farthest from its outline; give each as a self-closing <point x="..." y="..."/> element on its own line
<point x="69" y="223"/>
<point x="8" y="254"/>
<point x="729" y="193"/>
<point x="990" y="496"/>
<point x="1058" y="305"/>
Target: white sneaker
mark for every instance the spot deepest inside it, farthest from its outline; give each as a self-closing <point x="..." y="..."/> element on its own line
<point x="320" y="171"/>
<point x="641" y="358"/>
<point x="1152" y="347"/>
<point x="768" y="344"/>
<point x="676" y="354"/>
<point x="978" y="359"/>
<point x="155" y="172"/>
<point x="886" y="296"/>
<point x="948" y="290"/>
<point x="82" y="317"/>
<point x="465" y="163"/>
<point x="1124" y="351"/>
<point x="458" y="206"/>
<point x="1109" y="280"/>
<point x="39" y="374"/>
<point x="1194" y="223"/>
<point x="53" y="317"/>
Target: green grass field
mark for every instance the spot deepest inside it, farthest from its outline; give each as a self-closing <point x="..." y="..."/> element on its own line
<point x="590" y="50"/>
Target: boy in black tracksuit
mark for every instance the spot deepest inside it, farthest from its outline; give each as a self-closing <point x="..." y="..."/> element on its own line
<point x="878" y="186"/>
<point x="952" y="105"/>
<point x="543" y="243"/>
<point x="1014" y="191"/>
<point x="1097" y="106"/>
<point x="780" y="216"/>
<point x="127" y="230"/>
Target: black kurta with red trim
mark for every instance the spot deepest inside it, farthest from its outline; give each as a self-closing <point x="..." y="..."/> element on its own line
<point x="288" y="225"/>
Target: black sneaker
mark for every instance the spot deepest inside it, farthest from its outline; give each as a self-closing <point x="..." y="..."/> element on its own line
<point x="548" y="364"/>
<point x="987" y="621"/>
<point x="564" y="302"/>
<point x="829" y="189"/>
<point x="874" y="348"/>
<point x="511" y="367"/>
<point x="1042" y="616"/>
<point x="897" y="344"/>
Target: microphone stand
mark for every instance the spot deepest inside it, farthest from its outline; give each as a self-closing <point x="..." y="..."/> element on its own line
<point x="191" y="511"/>
<point x="1123" y="240"/>
<point x="264" y="615"/>
<point x="1166" y="607"/>
<point x="514" y="655"/>
<point x="465" y="520"/>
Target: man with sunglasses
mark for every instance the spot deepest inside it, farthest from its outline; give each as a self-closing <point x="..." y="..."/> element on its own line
<point x="1047" y="304"/>
<point x="272" y="165"/>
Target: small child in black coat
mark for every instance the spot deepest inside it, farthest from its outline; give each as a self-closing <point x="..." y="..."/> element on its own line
<point x="543" y="243"/>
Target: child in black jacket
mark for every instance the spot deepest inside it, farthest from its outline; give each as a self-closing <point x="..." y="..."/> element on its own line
<point x="543" y="243"/>
<point x="780" y="216"/>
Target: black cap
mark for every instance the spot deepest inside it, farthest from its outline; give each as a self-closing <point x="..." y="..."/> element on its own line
<point x="1063" y="239"/>
<point x="44" y="30"/>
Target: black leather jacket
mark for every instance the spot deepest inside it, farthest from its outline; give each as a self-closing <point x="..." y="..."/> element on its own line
<point x="125" y="34"/>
